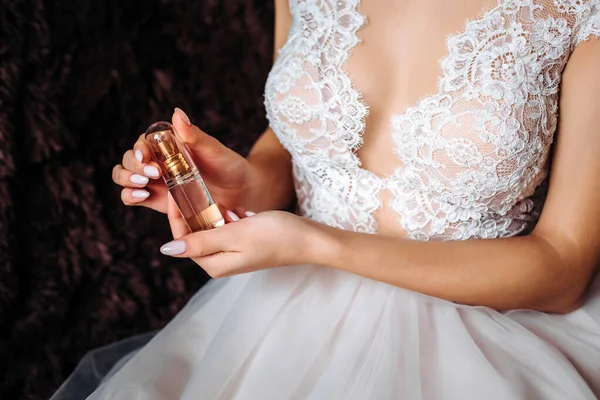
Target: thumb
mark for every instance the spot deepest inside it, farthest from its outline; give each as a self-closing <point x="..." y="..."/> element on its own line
<point x="201" y="145"/>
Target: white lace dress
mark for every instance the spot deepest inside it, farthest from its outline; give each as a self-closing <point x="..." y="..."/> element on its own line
<point x="472" y="162"/>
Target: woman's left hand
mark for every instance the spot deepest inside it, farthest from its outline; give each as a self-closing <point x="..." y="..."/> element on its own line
<point x="260" y="241"/>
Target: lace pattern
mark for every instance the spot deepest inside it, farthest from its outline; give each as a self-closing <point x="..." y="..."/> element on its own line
<point x="588" y="19"/>
<point x="317" y="115"/>
<point x="470" y="156"/>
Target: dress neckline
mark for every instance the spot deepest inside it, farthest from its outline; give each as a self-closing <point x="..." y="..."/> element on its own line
<point x="484" y="15"/>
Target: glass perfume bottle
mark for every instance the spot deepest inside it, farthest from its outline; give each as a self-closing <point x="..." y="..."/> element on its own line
<point x="182" y="178"/>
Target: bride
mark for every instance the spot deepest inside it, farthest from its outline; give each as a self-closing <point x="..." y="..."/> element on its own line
<point x="447" y="234"/>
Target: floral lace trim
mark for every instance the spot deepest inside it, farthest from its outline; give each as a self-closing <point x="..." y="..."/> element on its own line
<point x="590" y="26"/>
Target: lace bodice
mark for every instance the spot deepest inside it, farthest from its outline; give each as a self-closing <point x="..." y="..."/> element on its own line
<point x="472" y="158"/>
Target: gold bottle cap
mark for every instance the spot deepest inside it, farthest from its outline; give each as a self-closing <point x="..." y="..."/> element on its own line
<point x="168" y="152"/>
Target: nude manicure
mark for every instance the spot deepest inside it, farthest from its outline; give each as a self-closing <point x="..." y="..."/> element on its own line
<point x="140" y="194"/>
<point x="233" y="216"/>
<point x="138" y="179"/>
<point x="183" y="116"/>
<point x="151" y="171"/>
<point x="173" y="248"/>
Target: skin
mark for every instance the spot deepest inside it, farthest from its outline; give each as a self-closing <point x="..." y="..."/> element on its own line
<point x="548" y="270"/>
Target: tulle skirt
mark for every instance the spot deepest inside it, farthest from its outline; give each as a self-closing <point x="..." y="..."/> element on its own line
<point x="307" y="332"/>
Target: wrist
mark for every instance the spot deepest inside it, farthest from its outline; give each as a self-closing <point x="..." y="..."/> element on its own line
<point x="325" y="245"/>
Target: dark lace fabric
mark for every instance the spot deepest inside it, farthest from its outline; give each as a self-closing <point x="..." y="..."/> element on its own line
<point x="79" y="81"/>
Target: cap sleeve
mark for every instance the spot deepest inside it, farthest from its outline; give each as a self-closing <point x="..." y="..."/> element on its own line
<point x="589" y="27"/>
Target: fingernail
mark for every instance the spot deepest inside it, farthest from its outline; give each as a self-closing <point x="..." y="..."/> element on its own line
<point x="140" y="194"/>
<point x="138" y="179"/>
<point x="139" y="155"/>
<point x="233" y="216"/>
<point x="149" y="170"/>
<point x="183" y="116"/>
<point x="173" y="248"/>
<point x="249" y="213"/>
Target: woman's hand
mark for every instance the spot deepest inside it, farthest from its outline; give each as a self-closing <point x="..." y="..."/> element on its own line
<point x="226" y="173"/>
<point x="260" y="241"/>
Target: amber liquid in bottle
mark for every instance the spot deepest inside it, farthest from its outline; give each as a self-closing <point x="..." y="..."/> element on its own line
<point x="195" y="204"/>
<point x="183" y="179"/>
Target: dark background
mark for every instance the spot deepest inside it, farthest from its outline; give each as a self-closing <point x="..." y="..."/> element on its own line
<point x="79" y="81"/>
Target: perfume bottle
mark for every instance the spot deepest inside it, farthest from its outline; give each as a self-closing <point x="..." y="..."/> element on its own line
<point x="182" y="178"/>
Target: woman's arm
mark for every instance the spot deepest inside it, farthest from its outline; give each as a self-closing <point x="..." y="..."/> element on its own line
<point x="271" y="185"/>
<point x="547" y="270"/>
<point x="270" y="163"/>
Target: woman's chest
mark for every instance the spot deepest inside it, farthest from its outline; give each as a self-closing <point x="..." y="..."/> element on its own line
<point x="358" y="81"/>
<point x="441" y="115"/>
<point x="397" y="64"/>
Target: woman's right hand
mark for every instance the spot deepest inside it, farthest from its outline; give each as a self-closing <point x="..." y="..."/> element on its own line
<point x="225" y="172"/>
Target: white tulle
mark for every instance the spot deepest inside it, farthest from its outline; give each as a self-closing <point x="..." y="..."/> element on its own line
<point x="472" y="162"/>
<point x="308" y="332"/>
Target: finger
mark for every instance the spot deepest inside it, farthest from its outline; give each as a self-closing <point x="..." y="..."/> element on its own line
<point x="152" y="196"/>
<point x="178" y="225"/>
<point x="200" y="143"/>
<point x="126" y="178"/>
<point x="141" y="150"/>
<point x="131" y="197"/>
<point x="240" y="211"/>
<point x="149" y="169"/>
<point x="200" y="244"/>
<point x="228" y="215"/>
